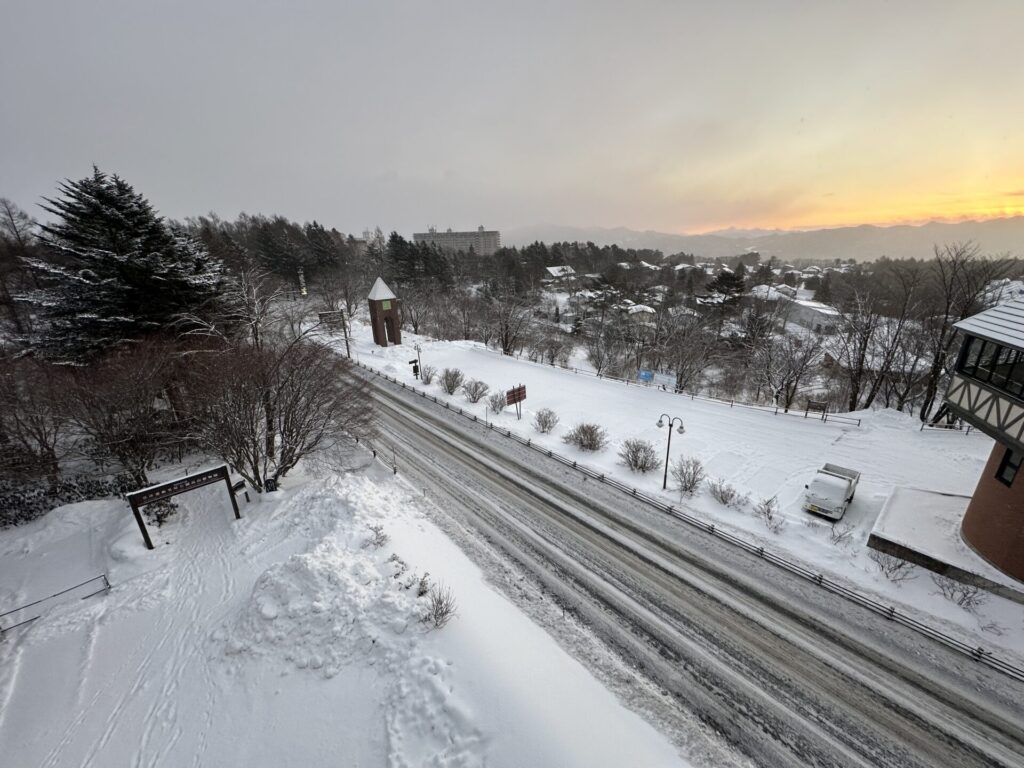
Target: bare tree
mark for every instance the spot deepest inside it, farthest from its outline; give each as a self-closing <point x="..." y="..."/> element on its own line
<point x="118" y="406"/>
<point x="958" y="277"/>
<point x="510" y="314"/>
<point x="690" y="350"/>
<point x="854" y="345"/>
<point x="315" y="400"/>
<point x="33" y="425"/>
<point x="17" y="240"/>
<point x="782" y="364"/>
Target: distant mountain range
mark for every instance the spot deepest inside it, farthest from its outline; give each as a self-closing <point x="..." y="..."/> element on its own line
<point x="865" y="242"/>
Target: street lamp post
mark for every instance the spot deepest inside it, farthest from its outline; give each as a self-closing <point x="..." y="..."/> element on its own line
<point x="668" y="450"/>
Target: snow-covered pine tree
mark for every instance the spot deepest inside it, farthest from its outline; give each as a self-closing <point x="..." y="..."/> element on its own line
<point x="114" y="271"/>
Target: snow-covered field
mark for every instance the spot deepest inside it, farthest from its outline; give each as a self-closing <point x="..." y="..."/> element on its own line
<point x="761" y="454"/>
<point x="286" y="639"/>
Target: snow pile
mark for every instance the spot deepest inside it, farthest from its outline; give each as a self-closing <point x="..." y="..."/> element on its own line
<point x="321" y="609"/>
<point x="349" y="603"/>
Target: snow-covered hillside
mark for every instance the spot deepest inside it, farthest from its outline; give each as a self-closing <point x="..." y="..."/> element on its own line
<point x="286" y="639"/>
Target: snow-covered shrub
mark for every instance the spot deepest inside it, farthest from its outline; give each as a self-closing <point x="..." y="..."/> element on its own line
<point x="545" y="420"/>
<point x="475" y="390"/>
<point x="840" y="535"/>
<point x="400" y="566"/>
<point x="768" y="511"/>
<point x="159" y="512"/>
<point x="726" y="494"/>
<point x="451" y="380"/>
<point x="21" y="502"/>
<point x="688" y="474"/>
<point x="427" y="374"/>
<point x="639" y="455"/>
<point x="441" y="606"/>
<point x="496" y="402"/>
<point x="377" y="537"/>
<point x="424" y="586"/>
<point x="895" y="569"/>
<point x="970" y="597"/>
<point x="586" y="437"/>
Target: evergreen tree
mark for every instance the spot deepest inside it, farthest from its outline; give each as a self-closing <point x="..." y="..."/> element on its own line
<point x="824" y="292"/>
<point x="113" y="271"/>
<point x="728" y="282"/>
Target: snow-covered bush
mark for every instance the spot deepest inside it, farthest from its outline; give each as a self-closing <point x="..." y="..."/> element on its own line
<point x="726" y="494"/>
<point x="427" y="374"/>
<point x="21" y="502"/>
<point x="423" y="588"/>
<point x="895" y="569"/>
<point x="970" y="597"/>
<point x="768" y="511"/>
<point x="377" y="537"/>
<point x="441" y="606"/>
<point x="159" y="512"/>
<point x="639" y="455"/>
<point x="475" y="390"/>
<point x="496" y="402"/>
<point x="840" y="534"/>
<point x="688" y="474"/>
<point x="545" y="420"/>
<point x="451" y="380"/>
<point x="586" y="437"/>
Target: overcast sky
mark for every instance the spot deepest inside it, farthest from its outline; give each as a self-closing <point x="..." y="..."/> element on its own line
<point x="674" y="116"/>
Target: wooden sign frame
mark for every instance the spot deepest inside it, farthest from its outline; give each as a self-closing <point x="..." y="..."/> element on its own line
<point x="161" y="491"/>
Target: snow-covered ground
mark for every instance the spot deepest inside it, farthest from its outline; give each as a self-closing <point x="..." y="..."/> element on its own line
<point x="286" y="639"/>
<point x="761" y="454"/>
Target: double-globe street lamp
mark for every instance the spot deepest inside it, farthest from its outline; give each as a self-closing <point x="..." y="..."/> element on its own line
<point x="668" y="450"/>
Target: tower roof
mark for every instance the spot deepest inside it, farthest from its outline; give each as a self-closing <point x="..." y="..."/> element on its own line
<point x="380" y="291"/>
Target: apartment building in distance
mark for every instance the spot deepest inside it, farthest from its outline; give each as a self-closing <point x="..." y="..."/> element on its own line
<point x="483" y="242"/>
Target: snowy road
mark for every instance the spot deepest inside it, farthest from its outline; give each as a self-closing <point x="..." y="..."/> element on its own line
<point x="787" y="673"/>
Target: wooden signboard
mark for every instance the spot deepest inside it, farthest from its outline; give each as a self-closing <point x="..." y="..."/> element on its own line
<point x="334" y="319"/>
<point x="515" y="396"/>
<point x="139" y="499"/>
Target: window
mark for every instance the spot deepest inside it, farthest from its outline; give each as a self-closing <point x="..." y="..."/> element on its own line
<point x="1008" y="466"/>
<point x="986" y="361"/>
<point x="969" y="357"/>
<point x="1015" y="378"/>
<point x="1004" y="365"/>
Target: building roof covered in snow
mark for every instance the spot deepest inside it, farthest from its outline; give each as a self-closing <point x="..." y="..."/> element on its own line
<point x="637" y="309"/>
<point x="562" y="271"/>
<point x="1003" y="290"/>
<point x="380" y="291"/>
<point x="817" y="306"/>
<point x="1003" y="324"/>
<point x="765" y="292"/>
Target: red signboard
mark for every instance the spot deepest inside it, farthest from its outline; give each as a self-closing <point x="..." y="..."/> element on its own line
<point x="515" y="395"/>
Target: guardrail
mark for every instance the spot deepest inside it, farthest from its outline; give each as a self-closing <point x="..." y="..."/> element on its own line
<point x="978" y="653"/>
<point x="104" y="588"/>
<point x="951" y="428"/>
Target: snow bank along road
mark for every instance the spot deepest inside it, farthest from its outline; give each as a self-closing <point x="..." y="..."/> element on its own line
<point x="788" y="674"/>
